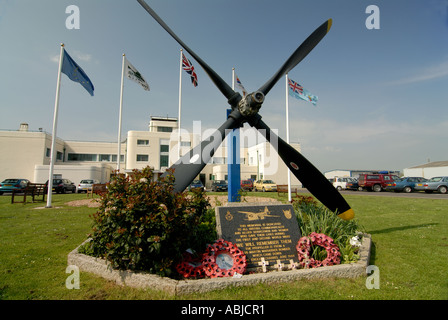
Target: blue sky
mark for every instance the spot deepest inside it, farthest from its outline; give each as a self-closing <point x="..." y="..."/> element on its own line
<point x="382" y="93"/>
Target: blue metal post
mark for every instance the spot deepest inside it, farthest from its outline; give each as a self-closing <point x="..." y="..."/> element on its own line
<point x="233" y="163"/>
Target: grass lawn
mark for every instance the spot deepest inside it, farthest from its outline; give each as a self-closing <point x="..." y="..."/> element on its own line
<point x="410" y="249"/>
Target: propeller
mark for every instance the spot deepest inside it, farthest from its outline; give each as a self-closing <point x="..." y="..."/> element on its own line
<point x="246" y="110"/>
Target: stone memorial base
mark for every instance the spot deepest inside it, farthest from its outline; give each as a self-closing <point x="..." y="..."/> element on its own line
<point x="178" y="287"/>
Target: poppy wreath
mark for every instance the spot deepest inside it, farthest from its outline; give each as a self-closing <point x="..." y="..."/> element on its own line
<point x="190" y="266"/>
<point x="213" y="266"/>
<point x="305" y="244"/>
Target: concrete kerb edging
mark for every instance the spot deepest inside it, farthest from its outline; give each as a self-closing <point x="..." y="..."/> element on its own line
<point x="178" y="287"/>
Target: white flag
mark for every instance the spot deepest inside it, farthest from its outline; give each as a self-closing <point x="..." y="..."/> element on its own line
<point x="134" y="75"/>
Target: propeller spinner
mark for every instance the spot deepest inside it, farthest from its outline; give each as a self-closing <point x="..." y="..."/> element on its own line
<point x="246" y="110"/>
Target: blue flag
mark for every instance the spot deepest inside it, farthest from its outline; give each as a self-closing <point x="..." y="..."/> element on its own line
<point x="75" y="73"/>
<point x="299" y="92"/>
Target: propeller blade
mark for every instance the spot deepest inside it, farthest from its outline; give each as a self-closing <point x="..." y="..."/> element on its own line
<point x="300" y="53"/>
<point x="308" y="174"/>
<point x="232" y="96"/>
<point x="191" y="164"/>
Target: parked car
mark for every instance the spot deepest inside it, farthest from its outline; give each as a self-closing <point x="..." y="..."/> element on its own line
<point x="196" y="184"/>
<point x="406" y="184"/>
<point x="340" y="183"/>
<point x="353" y="185"/>
<point x="62" y="186"/>
<point x="265" y="185"/>
<point x="439" y="184"/>
<point x="376" y="182"/>
<point x="219" y="185"/>
<point x="247" y="185"/>
<point x="8" y="185"/>
<point x="86" y="185"/>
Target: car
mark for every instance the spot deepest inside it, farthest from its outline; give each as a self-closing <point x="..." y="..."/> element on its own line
<point x="86" y="185"/>
<point x="340" y="183"/>
<point x="353" y="185"/>
<point x="265" y="185"/>
<point x="8" y="185"/>
<point x="62" y="185"/>
<point x="247" y="185"/>
<point x="219" y="185"/>
<point x="439" y="184"/>
<point x="376" y="181"/>
<point x="196" y="184"/>
<point x="406" y="184"/>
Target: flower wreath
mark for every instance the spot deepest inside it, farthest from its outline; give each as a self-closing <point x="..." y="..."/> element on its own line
<point x="317" y="239"/>
<point x="190" y="266"/>
<point x="223" y="259"/>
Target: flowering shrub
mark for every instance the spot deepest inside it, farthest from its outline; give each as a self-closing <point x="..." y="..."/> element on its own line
<point x="305" y="247"/>
<point x="144" y="225"/>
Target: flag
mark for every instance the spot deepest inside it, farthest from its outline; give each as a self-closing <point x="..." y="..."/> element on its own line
<point x="239" y="85"/>
<point x="299" y="92"/>
<point x="75" y="72"/>
<point x="187" y="66"/>
<point x="134" y="75"/>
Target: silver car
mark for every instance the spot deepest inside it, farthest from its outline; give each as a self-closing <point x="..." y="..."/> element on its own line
<point x="86" y="185"/>
<point x="439" y="184"/>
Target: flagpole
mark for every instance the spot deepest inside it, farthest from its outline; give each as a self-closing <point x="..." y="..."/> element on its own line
<point x="180" y="102"/>
<point x="53" y="138"/>
<point x="287" y="137"/>
<point x="120" y="112"/>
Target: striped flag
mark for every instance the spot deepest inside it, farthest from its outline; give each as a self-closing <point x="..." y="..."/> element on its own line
<point x="188" y="67"/>
<point x="299" y="92"/>
<point x="240" y="86"/>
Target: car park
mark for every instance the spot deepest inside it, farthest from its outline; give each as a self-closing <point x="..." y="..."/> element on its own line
<point x="265" y="185"/>
<point x="219" y="185"/>
<point x="9" y="185"/>
<point x="439" y="184"/>
<point x="62" y="185"/>
<point x="86" y="185"/>
<point x="406" y="184"/>
<point x="247" y="185"/>
<point x="196" y="184"/>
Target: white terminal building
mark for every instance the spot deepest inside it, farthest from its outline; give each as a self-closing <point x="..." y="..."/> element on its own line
<point x="27" y="153"/>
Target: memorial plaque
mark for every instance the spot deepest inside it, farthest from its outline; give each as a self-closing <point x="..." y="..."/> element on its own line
<point x="266" y="233"/>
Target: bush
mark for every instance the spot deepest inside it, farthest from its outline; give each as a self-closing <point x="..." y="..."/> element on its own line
<point x="314" y="218"/>
<point x="144" y="225"/>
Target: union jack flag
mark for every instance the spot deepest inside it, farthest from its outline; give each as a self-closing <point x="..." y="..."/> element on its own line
<point x="297" y="91"/>
<point x="187" y="66"/>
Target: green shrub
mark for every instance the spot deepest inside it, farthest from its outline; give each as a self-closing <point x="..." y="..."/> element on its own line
<point x="144" y="225"/>
<point x="314" y="218"/>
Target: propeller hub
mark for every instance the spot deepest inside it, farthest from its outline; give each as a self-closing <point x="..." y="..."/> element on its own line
<point x="251" y="104"/>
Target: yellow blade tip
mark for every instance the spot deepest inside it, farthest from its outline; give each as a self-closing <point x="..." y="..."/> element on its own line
<point x="347" y="215"/>
<point x="330" y="22"/>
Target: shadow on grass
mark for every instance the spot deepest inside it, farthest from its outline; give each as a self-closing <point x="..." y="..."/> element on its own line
<point x="388" y="230"/>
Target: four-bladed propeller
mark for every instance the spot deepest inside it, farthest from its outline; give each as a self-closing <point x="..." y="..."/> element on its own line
<point x="246" y="110"/>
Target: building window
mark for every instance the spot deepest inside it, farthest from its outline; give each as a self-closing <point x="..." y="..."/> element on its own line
<point x="164" y="129"/>
<point x="142" y="142"/>
<point x="164" y="148"/>
<point x="142" y="158"/>
<point x="164" y="161"/>
<point x="104" y="157"/>
<point x="185" y="144"/>
<point x="59" y="156"/>
<point x="48" y="153"/>
<point x="82" y="157"/>
<point x="114" y="158"/>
